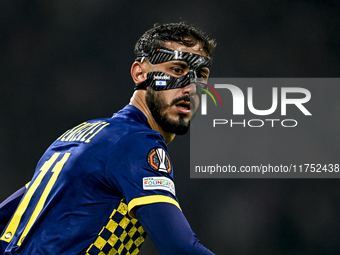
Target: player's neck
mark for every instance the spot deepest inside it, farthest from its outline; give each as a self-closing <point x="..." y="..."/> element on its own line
<point x="138" y="100"/>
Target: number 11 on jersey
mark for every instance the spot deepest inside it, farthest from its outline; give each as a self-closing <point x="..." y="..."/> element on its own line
<point x="14" y="223"/>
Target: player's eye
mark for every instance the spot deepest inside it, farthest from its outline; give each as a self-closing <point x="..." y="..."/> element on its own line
<point x="203" y="73"/>
<point x="177" y="70"/>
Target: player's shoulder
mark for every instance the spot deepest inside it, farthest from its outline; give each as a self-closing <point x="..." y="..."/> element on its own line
<point x="128" y="126"/>
<point x="131" y="122"/>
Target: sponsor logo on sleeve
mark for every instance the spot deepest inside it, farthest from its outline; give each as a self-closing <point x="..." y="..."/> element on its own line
<point x="159" y="183"/>
<point x="158" y="160"/>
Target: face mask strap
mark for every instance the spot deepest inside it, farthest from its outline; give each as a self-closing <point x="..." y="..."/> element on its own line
<point x="194" y="61"/>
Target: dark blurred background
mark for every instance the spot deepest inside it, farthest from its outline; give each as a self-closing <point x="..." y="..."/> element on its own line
<point x="66" y="61"/>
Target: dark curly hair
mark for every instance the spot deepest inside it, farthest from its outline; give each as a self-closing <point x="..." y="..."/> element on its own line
<point x="173" y="32"/>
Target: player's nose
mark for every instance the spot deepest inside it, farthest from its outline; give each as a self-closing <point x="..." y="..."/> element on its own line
<point x="189" y="89"/>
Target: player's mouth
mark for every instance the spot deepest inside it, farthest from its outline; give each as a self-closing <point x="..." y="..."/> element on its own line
<point x="183" y="107"/>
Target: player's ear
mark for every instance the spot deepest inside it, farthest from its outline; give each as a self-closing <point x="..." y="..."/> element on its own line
<point x="138" y="72"/>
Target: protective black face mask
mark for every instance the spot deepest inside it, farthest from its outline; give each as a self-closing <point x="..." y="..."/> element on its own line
<point x="162" y="81"/>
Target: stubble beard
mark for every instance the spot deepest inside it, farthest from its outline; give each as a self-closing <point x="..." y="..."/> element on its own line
<point x="157" y="107"/>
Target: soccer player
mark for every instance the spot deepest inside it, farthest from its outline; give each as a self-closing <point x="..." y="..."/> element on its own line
<point x="106" y="183"/>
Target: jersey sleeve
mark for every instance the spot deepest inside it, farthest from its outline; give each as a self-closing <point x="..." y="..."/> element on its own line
<point x="169" y="230"/>
<point x="8" y="207"/>
<point x="141" y="169"/>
